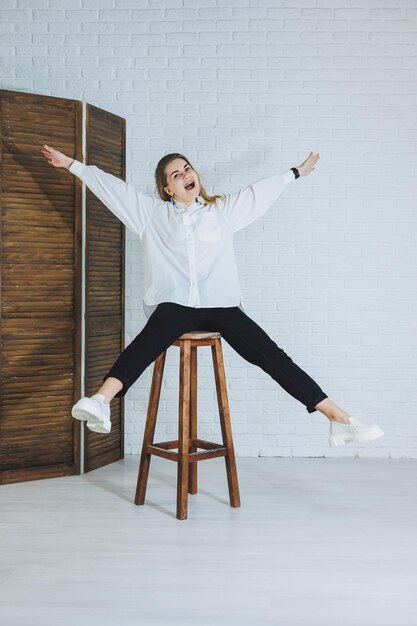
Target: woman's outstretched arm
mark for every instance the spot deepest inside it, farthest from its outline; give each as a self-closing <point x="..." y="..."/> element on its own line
<point x="129" y="205"/>
<point x="252" y="202"/>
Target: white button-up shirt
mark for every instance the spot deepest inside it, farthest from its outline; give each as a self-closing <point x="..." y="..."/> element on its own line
<point x="189" y="256"/>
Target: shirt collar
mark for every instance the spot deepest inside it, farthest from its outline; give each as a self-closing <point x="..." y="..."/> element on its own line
<point x="180" y="208"/>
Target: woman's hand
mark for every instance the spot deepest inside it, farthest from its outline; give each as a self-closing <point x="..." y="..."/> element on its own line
<point x="308" y="165"/>
<point x="57" y="159"/>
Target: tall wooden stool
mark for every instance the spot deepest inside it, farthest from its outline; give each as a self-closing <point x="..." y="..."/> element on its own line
<point x="188" y="442"/>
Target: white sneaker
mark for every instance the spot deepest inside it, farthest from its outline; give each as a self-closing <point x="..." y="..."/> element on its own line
<point x="95" y="411"/>
<point x="355" y="432"/>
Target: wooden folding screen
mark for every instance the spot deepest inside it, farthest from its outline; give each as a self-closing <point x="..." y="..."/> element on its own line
<point x="105" y="268"/>
<point x="42" y="356"/>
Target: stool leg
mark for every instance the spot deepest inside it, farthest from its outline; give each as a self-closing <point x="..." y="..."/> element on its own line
<point x="192" y="467"/>
<point x="183" y="429"/>
<point x="224" y="413"/>
<point x="148" y="436"/>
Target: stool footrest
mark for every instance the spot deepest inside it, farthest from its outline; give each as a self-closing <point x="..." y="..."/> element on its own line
<point x="212" y="450"/>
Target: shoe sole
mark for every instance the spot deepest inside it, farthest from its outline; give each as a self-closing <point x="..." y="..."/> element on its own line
<point x="99" y="427"/>
<point x="342" y="439"/>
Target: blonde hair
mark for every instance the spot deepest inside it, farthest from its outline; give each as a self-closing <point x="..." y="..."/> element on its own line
<point x="161" y="179"/>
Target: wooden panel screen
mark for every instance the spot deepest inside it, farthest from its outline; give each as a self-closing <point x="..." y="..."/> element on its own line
<point x="40" y="266"/>
<point x="105" y="294"/>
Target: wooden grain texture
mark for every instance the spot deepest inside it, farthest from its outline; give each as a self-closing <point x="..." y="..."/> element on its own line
<point x="183" y="429"/>
<point x="149" y="433"/>
<point x="104" y="279"/>
<point x="40" y="289"/>
<point x="225" y="423"/>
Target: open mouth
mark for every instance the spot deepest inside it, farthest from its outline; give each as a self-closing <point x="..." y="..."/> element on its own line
<point x="190" y="186"/>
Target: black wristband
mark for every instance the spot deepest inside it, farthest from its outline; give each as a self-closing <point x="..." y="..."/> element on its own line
<point x="296" y="172"/>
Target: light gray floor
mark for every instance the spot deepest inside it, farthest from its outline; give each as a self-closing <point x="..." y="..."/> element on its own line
<point x="316" y="541"/>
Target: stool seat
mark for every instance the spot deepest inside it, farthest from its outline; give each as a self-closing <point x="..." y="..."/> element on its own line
<point x="199" y="334"/>
<point x="188" y="442"/>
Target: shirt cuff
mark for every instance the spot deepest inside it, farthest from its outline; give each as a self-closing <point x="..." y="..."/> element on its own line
<point x="289" y="176"/>
<point x="76" y="167"/>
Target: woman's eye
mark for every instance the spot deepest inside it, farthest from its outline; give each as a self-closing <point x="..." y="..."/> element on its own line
<point x="187" y="169"/>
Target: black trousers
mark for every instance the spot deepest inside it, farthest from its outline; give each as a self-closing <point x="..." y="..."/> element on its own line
<point x="170" y="320"/>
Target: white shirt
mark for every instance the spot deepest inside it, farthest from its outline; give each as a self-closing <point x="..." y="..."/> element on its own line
<point x="189" y="256"/>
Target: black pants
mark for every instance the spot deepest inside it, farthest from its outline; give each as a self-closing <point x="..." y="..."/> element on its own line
<point x="170" y="320"/>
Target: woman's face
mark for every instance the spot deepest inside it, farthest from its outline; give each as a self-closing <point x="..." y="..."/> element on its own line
<point x="180" y="175"/>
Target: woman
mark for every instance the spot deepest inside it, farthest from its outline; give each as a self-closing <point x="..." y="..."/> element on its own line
<point x="191" y="281"/>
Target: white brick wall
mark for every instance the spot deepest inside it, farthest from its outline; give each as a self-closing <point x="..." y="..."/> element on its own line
<point x="246" y="88"/>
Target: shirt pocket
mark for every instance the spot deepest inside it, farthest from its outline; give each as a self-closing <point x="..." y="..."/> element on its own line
<point x="208" y="228"/>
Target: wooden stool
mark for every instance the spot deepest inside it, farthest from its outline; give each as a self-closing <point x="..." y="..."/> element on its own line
<point x="188" y="442"/>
